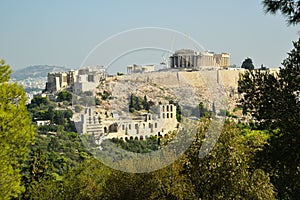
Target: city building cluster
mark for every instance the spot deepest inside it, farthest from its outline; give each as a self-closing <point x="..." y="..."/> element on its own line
<point x="82" y="80"/>
<point x="114" y="124"/>
<point x="86" y="79"/>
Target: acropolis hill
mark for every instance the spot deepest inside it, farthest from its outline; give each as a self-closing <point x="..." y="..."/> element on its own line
<point x="189" y="88"/>
<point x="158" y="86"/>
<point x="145" y="102"/>
<point x="185" y="86"/>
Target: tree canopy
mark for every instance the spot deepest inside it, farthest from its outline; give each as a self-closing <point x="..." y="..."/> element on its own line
<point x="227" y="172"/>
<point x="272" y="99"/>
<point x="16" y="134"/>
<point x="289" y="8"/>
<point x="248" y="64"/>
<point x="64" y="96"/>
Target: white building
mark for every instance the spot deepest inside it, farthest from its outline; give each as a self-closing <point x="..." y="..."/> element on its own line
<point x="83" y="84"/>
<point x="88" y="79"/>
<point x="139" y="127"/>
<point x="42" y="122"/>
<point x="132" y="69"/>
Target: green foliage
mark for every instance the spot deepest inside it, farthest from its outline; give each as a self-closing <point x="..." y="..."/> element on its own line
<point x="202" y="109"/>
<point x="50" y="159"/>
<point x="138" y="146"/>
<point x="39" y="101"/>
<point x="289" y="8"/>
<point x="105" y="95"/>
<point x="97" y="101"/>
<point x="178" y="110"/>
<point x="47" y="128"/>
<point x="272" y="101"/>
<point x="167" y="183"/>
<point x="16" y="134"/>
<point x="5" y="72"/>
<point x="62" y="117"/>
<point x="178" y="113"/>
<point x="213" y="108"/>
<point x="227" y="172"/>
<point x="146" y="104"/>
<point x="137" y="103"/>
<point x="247" y="64"/>
<point x="64" y="96"/>
<point x="86" y="181"/>
<point x="261" y="94"/>
<point x="42" y="108"/>
<point x="227" y="113"/>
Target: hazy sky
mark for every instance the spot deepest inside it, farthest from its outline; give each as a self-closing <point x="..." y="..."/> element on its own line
<point x="63" y="32"/>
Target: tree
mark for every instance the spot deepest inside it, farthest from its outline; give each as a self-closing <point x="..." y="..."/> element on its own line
<point x="274" y="104"/>
<point x="178" y="112"/>
<point x="16" y="134"/>
<point x="202" y="109"/>
<point x="38" y="101"/>
<point x="51" y="113"/>
<point x="138" y="103"/>
<point x="64" y="96"/>
<point x="146" y="104"/>
<point x="97" y="101"/>
<point x="247" y="64"/>
<point x="289" y="8"/>
<point x="61" y="117"/>
<point x="272" y="101"/>
<point x="131" y="109"/>
<point x="227" y="172"/>
<point x="214" y="108"/>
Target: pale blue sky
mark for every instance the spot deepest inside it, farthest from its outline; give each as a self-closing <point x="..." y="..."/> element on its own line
<point x="62" y="32"/>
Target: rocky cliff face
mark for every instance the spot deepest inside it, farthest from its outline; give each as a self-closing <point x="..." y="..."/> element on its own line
<point x="186" y="88"/>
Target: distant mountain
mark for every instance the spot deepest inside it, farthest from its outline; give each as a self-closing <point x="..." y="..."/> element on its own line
<point x="36" y="71"/>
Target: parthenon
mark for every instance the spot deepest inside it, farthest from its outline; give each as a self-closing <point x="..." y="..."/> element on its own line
<point x="187" y="58"/>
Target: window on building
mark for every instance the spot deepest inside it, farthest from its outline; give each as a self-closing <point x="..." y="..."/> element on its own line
<point x="123" y="127"/>
<point x="167" y="115"/>
<point x="167" y="108"/>
<point x="171" y="108"/>
<point x="171" y="115"/>
<point x="129" y="126"/>
<point x="155" y="125"/>
<point x="163" y="115"/>
<point x="136" y="126"/>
